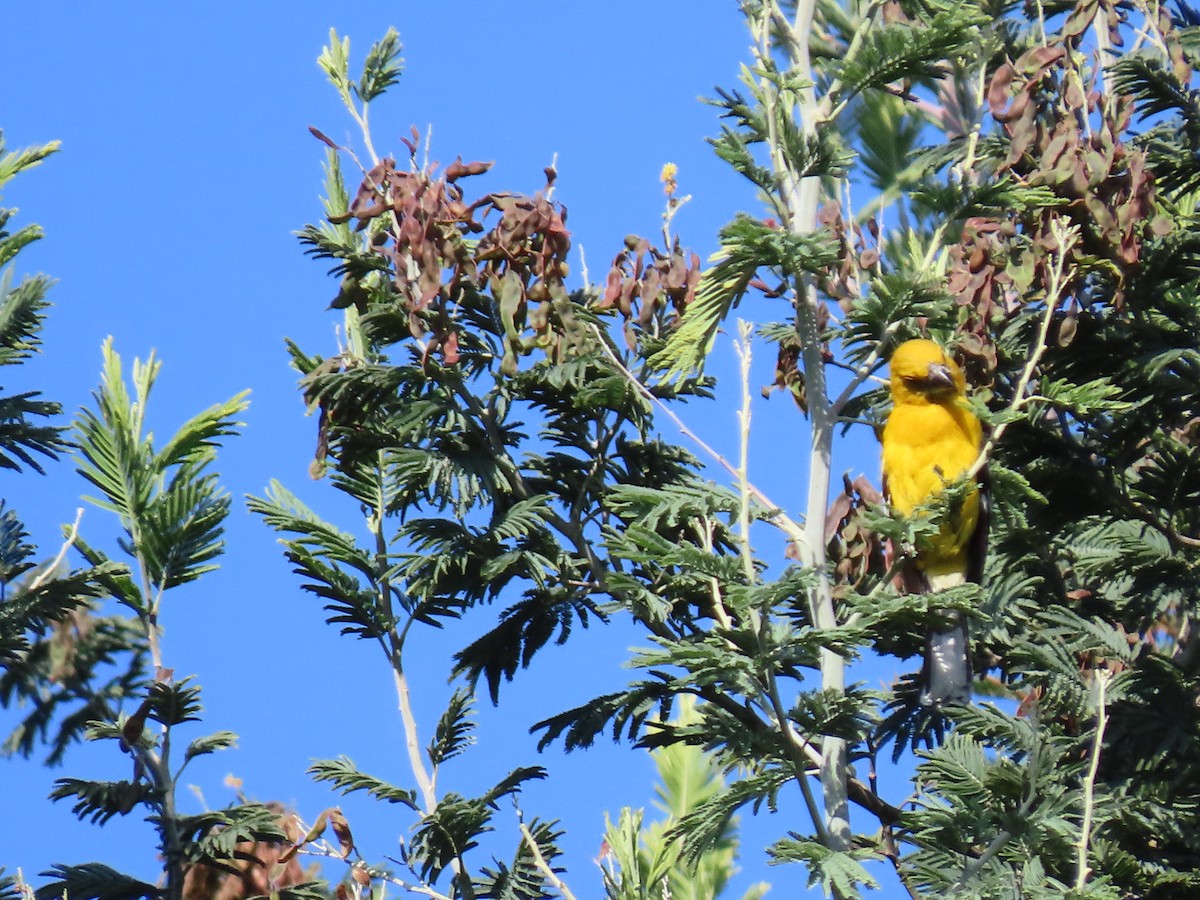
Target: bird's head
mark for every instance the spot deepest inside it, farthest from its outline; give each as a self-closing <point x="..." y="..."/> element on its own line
<point x="923" y="373"/>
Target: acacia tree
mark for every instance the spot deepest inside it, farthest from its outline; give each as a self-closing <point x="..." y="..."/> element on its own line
<point x="38" y="597"/>
<point x="80" y="648"/>
<point x="1016" y="182"/>
<point x="1032" y="190"/>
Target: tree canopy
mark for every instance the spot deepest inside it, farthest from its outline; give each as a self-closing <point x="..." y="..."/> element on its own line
<point x="1015" y="182"/>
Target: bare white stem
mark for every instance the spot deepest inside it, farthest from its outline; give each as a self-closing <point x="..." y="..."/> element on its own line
<point x="583" y="269"/>
<point x="411" y="741"/>
<point x="362" y="118"/>
<point x="742" y="346"/>
<point x="553" y="168"/>
<point x="800" y="199"/>
<point x="1102" y="676"/>
<point x="781" y="521"/>
<point x="968" y="165"/>
<point x="47" y="573"/>
<point x="543" y="866"/>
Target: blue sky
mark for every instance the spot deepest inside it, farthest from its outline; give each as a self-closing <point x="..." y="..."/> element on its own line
<point x="170" y="215"/>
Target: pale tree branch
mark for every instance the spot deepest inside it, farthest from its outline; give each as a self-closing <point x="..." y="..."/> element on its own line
<point x="544" y="867"/>
<point x="792" y="529"/>
<point x="802" y="752"/>
<point x="47" y="573"/>
<point x="1102" y="676"/>
<point x="800" y="198"/>
<point x="742" y="348"/>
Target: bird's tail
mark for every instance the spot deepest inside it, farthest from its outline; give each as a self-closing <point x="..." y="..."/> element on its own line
<point x="946" y="676"/>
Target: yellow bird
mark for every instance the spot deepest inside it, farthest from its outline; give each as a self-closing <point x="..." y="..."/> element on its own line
<point x="932" y="439"/>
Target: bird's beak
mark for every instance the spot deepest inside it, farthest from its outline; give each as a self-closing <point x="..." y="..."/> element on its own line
<point x="939" y="376"/>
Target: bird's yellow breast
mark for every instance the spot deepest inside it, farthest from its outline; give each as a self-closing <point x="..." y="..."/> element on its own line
<point x="925" y="447"/>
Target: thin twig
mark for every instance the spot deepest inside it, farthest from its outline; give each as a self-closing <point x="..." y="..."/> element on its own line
<point x="795" y="743"/>
<point x="742" y="348"/>
<point x="325" y="851"/>
<point x="1103" y="676"/>
<point x="543" y="866"/>
<point x="968" y="165"/>
<point x="1149" y="31"/>
<point x="798" y="201"/>
<point x="1066" y="235"/>
<point x="704" y="529"/>
<point x="362" y="119"/>
<point x="799" y="747"/>
<point x="993" y="847"/>
<point x="47" y="573"/>
<point x="996" y="844"/>
<point x="833" y="104"/>
<point x="780" y="520"/>
<point x="863" y="372"/>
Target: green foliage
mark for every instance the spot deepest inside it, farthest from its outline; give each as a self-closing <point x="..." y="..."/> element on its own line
<point x="85" y="674"/>
<point x="747" y="246"/>
<point x="22" y="312"/>
<point x="837" y="872"/>
<point x="497" y="432"/>
<point x="216" y="834"/>
<point x="94" y="881"/>
<point x="342" y="774"/>
<point x="55" y="655"/>
<point x="901" y="52"/>
<point x="170" y="506"/>
<point x="645" y="862"/>
<point x="456" y="824"/>
<point x="454" y="729"/>
<point x="34" y="597"/>
<point x="522" y="877"/>
<point x="99" y="801"/>
<point x="381" y="69"/>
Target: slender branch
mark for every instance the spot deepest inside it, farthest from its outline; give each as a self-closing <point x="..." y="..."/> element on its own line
<point x="1103" y="676"/>
<point x="859" y="791"/>
<point x="1060" y="278"/>
<point x="426" y="781"/>
<point x="324" y="851"/>
<point x="157" y="765"/>
<point x="863" y="372"/>
<point x="1149" y="31"/>
<point x="365" y="126"/>
<point x="704" y="529"/>
<point x="47" y="573"/>
<point x="411" y="741"/>
<point x="800" y="197"/>
<point x="968" y="164"/>
<point x="543" y="866"/>
<point x="779" y="519"/>
<point x="742" y="347"/>
<point x="996" y="844"/>
<point x="426" y="778"/>
<point x="795" y="743"/>
<point x="833" y="104"/>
